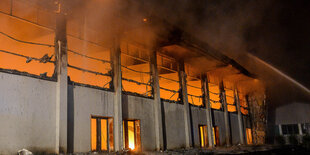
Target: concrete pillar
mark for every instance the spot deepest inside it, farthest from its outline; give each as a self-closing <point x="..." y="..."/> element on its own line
<point x="205" y="88"/>
<point x="157" y="102"/>
<point x="240" y="120"/>
<point x="117" y="85"/>
<point x="280" y="130"/>
<point x="299" y="129"/>
<point x="183" y="85"/>
<point x="62" y="83"/>
<point x="226" y="114"/>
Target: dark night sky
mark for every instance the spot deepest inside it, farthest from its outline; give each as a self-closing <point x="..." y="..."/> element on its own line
<point x="277" y="31"/>
<point x="282" y="38"/>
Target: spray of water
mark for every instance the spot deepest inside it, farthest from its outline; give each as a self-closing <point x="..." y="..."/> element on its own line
<point x="279" y="72"/>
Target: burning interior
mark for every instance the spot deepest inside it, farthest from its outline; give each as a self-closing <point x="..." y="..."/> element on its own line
<point x="192" y="85"/>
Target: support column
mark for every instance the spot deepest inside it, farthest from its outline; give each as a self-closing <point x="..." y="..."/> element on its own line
<point x="280" y="130"/>
<point x="240" y="120"/>
<point x="183" y="85"/>
<point x="205" y="88"/>
<point x="299" y="129"/>
<point x="226" y="115"/>
<point x="117" y="85"/>
<point x="62" y="83"/>
<point x="157" y="101"/>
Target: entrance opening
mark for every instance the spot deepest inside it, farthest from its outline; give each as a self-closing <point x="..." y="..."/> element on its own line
<point x="203" y="133"/>
<point x="216" y="136"/>
<point x="101" y="134"/>
<point x="249" y="136"/>
<point x="131" y="134"/>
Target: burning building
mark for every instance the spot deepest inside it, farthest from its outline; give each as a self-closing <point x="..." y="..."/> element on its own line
<point x="79" y="76"/>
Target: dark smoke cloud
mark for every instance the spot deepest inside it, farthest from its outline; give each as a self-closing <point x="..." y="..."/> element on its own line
<point x="274" y="30"/>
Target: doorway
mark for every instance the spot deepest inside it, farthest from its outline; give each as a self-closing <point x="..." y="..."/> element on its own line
<point x="131" y="134"/>
<point x="249" y="136"/>
<point x="203" y="134"/>
<point x="216" y="136"/>
<point x="101" y="134"/>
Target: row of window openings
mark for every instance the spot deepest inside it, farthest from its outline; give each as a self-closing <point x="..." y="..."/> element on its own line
<point x="293" y="129"/>
<point x="102" y="134"/>
<point x="203" y="136"/>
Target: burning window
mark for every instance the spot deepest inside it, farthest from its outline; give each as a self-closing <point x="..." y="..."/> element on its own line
<point x="194" y="88"/>
<point x="203" y="133"/>
<point x="27" y="37"/>
<point x="214" y="92"/>
<point x="243" y="104"/>
<point x="89" y="55"/>
<point x="136" y="75"/>
<point x="131" y="135"/>
<point x="88" y="63"/>
<point x="168" y="78"/>
<point x="230" y="96"/>
<point x="101" y="134"/>
<point x="249" y="136"/>
<point x="230" y="100"/>
<point x="216" y="135"/>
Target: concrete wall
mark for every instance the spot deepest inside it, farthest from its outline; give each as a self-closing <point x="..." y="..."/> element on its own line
<point x="174" y="122"/>
<point x="218" y="120"/>
<point x="142" y="109"/>
<point x="234" y="128"/>
<point x="27" y="114"/>
<point x="198" y="118"/>
<point x="82" y="103"/>
<point x="293" y="113"/>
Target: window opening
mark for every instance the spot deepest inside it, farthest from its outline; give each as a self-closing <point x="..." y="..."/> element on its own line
<point x="88" y="63"/>
<point x="136" y="74"/>
<point x="249" y="135"/>
<point x="168" y="78"/>
<point x="216" y="136"/>
<point x="290" y="129"/>
<point x="194" y="87"/>
<point x="243" y="104"/>
<point x="132" y="135"/>
<point x="203" y="133"/>
<point x="101" y="134"/>
<point x="27" y="42"/>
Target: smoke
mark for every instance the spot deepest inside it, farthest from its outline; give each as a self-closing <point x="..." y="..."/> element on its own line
<point x="232" y="27"/>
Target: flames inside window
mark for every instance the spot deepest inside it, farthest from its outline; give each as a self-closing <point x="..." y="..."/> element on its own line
<point x="168" y="78"/>
<point x="23" y="24"/>
<point x="230" y="96"/>
<point x="136" y="74"/>
<point x="194" y="87"/>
